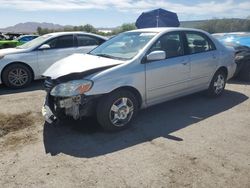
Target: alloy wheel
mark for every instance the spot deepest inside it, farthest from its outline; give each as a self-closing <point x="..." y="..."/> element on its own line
<point x="121" y="112"/>
<point x="219" y="84"/>
<point x="18" y="77"/>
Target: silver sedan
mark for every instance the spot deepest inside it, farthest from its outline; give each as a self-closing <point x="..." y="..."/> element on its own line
<point x="135" y="70"/>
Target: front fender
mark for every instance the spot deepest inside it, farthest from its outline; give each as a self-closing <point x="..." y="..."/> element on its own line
<point x="107" y="85"/>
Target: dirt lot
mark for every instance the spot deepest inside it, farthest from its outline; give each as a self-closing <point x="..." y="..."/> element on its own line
<point x="189" y="142"/>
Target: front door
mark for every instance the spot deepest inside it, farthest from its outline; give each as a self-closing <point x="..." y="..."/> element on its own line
<point x="167" y="78"/>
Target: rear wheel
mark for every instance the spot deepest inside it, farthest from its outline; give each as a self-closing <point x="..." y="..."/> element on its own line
<point x="17" y="76"/>
<point x="117" y="110"/>
<point x="217" y="84"/>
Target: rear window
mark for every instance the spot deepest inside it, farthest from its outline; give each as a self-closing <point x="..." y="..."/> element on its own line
<point x="84" y="40"/>
<point x="198" y="43"/>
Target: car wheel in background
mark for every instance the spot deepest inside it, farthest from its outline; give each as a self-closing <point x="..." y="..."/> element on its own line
<point x="17" y="76"/>
<point x="116" y="110"/>
<point x="217" y="85"/>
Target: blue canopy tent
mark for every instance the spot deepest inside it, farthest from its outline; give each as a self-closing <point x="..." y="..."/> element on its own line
<point x="157" y="18"/>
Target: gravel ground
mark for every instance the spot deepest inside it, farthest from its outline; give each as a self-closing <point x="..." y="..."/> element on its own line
<point x="190" y="142"/>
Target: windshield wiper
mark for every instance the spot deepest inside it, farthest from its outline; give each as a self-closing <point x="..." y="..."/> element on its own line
<point x="105" y="55"/>
<point x="109" y="56"/>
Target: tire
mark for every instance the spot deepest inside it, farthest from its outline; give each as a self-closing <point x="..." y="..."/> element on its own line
<point x="244" y="74"/>
<point x="116" y="110"/>
<point x="217" y="85"/>
<point x="17" y="76"/>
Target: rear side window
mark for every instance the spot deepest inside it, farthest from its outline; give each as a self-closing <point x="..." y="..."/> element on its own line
<point x="61" y="42"/>
<point x="198" y="43"/>
<point x="85" y="40"/>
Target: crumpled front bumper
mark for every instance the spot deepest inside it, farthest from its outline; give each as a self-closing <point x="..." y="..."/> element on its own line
<point x="75" y="107"/>
<point x="47" y="113"/>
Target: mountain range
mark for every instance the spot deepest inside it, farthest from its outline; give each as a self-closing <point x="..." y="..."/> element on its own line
<point x="31" y="27"/>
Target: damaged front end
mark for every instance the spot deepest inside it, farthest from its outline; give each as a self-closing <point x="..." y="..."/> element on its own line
<point x="67" y="99"/>
<point x="66" y="86"/>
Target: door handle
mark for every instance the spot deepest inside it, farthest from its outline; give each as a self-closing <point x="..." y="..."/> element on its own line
<point x="184" y="63"/>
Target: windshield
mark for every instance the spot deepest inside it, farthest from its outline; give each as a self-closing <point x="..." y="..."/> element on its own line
<point x="35" y="42"/>
<point x="124" y="46"/>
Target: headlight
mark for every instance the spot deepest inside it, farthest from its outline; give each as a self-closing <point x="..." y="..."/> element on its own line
<point x="72" y="88"/>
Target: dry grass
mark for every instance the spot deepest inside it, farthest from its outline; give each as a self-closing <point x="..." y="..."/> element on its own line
<point x="11" y="123"/>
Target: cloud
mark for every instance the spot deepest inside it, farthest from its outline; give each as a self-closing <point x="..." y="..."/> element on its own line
<point x="226" y="8"/>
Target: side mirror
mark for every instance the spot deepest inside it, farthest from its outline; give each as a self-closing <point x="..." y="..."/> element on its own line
<point x="44" y="47"/>
<point x="156" y="55"/>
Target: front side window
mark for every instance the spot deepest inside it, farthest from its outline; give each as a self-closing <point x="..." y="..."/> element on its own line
<point x="170" y="43"/>
<point x="61" y="42"/>
<point x="124" y="46"/>
<point x="198" y="43"/>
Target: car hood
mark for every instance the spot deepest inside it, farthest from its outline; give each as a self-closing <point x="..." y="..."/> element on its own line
<point x="8" y="51"/>
<point x="79" y="63"/>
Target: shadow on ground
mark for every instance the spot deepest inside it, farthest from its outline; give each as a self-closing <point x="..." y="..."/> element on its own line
<point x="86" y="139"/>
<point x="238" y="82"/>
<point x="35" y="85"/>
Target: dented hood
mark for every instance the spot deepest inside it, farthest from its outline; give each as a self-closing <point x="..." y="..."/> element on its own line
<point x="78" y="63"/>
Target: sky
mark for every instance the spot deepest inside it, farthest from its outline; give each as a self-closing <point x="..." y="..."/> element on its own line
<point x="111" y="13"/>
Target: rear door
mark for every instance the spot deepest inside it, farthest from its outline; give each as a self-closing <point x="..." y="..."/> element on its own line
<point x="60" y="47"/>
<point x="85" y="43"/>
<point x="167" y="78"/>
<point x="203" y="58"/>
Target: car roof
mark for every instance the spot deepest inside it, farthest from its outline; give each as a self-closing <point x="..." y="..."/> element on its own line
<point x="56" y="34"/>
<point x="29" y="35"/>
<point x="166" y="29"/>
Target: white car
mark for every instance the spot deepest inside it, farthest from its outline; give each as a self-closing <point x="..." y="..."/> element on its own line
<point x="20" y="65"/>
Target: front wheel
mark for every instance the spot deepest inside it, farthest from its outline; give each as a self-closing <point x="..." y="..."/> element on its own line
<point x="116" y="110"/>
<point x="217" y="85"/>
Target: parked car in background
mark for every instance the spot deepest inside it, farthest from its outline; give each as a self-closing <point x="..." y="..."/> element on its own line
<point x="2" y="36"/>
<point x="241" y="43"/>
<point x="135" y="70"/>
<point x="12" y="36"/>
<point x="17" y="42"/>
<point x="26" y="38"/>
<point x="20" y="65"/>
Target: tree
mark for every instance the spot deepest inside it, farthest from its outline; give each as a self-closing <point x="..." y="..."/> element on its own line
<point x="226" y="25"/>
<point x="128" y="27"/>
<point x="89" y="28"/>
<point x="124" y="27"/>
<point x="39" y="30"/>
